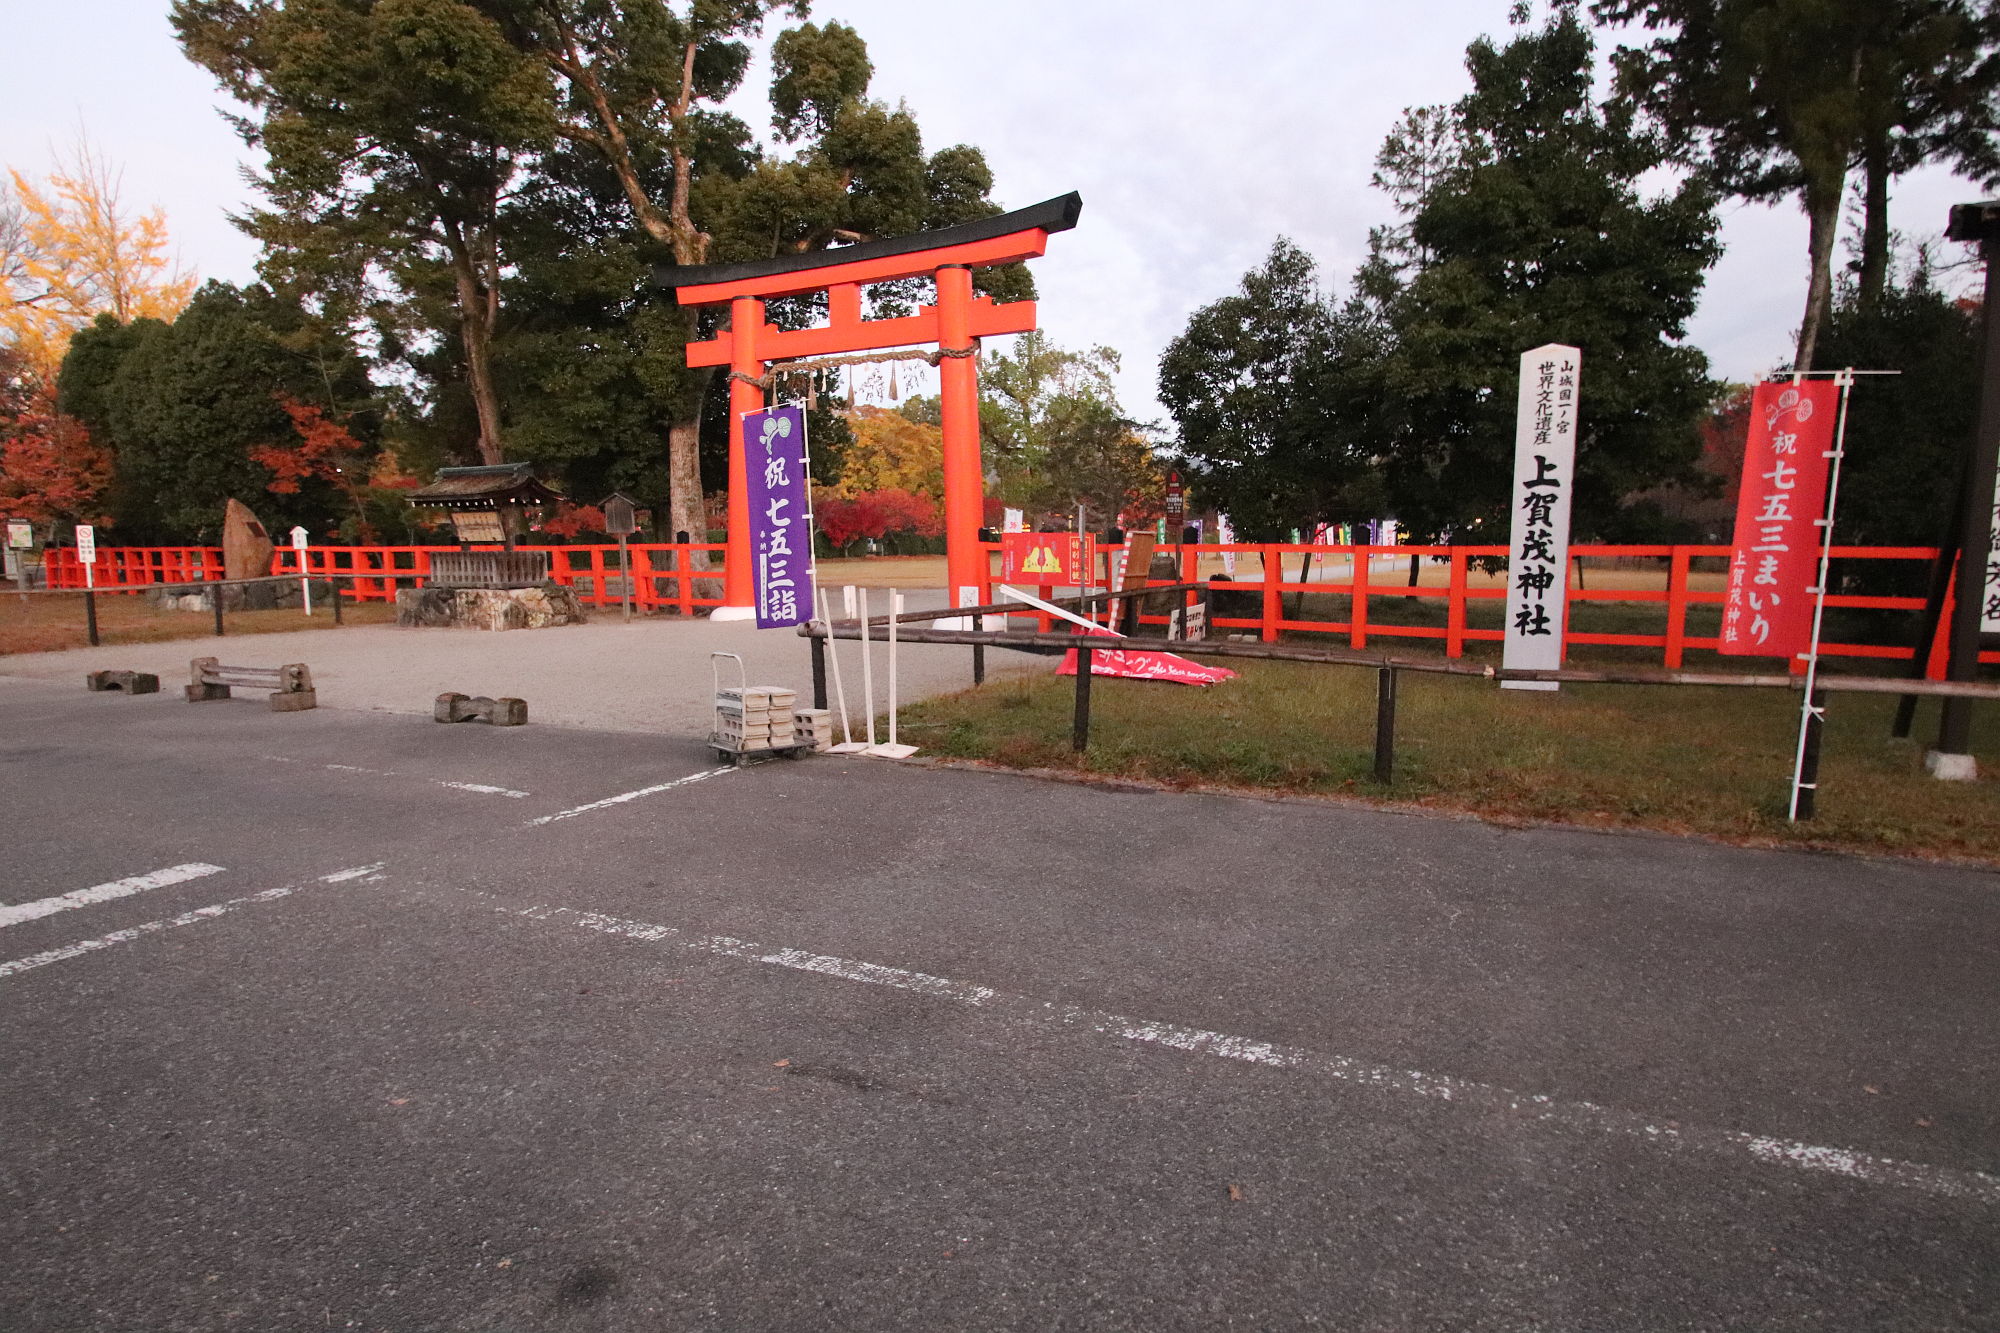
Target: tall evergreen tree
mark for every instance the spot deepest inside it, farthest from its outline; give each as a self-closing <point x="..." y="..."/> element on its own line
<point x="1534" y="232"/>
<point x="1278" y="400"/>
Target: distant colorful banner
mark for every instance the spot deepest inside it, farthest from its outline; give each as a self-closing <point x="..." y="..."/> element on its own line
<point x="780" y="515"/>
<point x="1767" y="611"/>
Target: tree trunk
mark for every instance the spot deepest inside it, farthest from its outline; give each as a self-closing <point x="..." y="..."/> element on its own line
<point x="686" y="507"/>
<point x="475" y="324"/>
<point x="1822" y="200"/>
<point x="1875" y="220"/>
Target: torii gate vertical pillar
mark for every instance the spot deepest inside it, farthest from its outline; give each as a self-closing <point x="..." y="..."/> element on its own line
<point x="964" y="478"/>
<point x="739" y="594"/>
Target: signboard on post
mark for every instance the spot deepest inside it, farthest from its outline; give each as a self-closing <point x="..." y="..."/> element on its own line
<point x="621" y="520"/>
<point x="1176" y="506"/>
<point x="1544" y="478"/>
<point x="1767" y="610"/>
<point x="1061" y="558"/>
<point x="86" y="554"/>
<point x="780" y="516"/>
<point x="20" y="535"/>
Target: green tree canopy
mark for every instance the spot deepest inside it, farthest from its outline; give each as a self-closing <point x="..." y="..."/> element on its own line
<point x="1277" y="396"/>
<point x="182" y="404"/>
<point x="1535" y="231"/>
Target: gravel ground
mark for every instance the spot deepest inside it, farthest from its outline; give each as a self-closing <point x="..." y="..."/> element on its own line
<point x="651" y="675"/>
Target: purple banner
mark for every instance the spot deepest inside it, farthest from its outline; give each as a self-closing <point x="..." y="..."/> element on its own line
<point x="774" y="442"/>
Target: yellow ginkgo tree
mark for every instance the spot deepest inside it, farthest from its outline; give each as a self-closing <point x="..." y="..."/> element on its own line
<point x="70" y="251"/>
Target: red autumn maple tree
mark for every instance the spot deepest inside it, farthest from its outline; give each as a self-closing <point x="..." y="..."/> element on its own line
<point x="51" y="471"/>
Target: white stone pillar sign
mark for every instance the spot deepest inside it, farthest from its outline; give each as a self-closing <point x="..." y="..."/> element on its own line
<point x="300" y="540"/>
<point x="1538" y="550"/>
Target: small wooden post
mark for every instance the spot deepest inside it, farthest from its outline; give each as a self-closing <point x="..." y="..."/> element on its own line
<point x="978" y="664"/>
<point x="336" y="599"/>
<point x="215" y="604"/>
<point x="1080" y="733"/>
<point x="625" y="569"/>
<point x="1385" y="725"/>
<point x="819" y="671"/>
<point x="90" y="615"/>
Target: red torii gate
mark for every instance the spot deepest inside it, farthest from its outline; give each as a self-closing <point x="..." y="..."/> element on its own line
<point x="955" y="323"/>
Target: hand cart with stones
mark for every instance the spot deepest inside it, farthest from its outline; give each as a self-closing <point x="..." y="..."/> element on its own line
<point x="737" y="710"/>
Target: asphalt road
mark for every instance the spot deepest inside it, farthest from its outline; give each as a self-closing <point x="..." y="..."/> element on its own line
<point x="368" y="1023"/>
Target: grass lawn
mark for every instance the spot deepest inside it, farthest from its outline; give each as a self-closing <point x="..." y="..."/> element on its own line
<point x="1682" y="759"/>
<point x="48" y="622"/>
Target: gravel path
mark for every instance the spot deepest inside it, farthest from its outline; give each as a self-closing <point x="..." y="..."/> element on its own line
<point x="651" y="675"/>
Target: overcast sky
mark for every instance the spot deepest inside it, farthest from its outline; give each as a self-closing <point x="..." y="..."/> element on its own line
<point x="1195" y="132"/>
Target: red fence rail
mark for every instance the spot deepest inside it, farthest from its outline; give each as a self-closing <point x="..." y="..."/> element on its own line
<point x="665" y="581"/>
<point x="664" y="578"/>
<point x="1366" y="584"/>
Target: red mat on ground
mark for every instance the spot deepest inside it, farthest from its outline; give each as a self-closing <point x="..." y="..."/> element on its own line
<point x="1137" y="665"/>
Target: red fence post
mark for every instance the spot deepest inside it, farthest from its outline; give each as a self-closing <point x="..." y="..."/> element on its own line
<point x="1454" y="614"/>
<point x="1677" y="605"/>
<point x="1273" y="609"/>
<point x="1357" y="616"/>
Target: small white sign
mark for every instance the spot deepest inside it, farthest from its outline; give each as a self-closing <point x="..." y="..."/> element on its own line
<point x="1011" y="521"/>
<point x="300" y="540"/>
<point x="1544" y="477"/>
<point x="20" y="534"/>
<point x="86" y="543"/>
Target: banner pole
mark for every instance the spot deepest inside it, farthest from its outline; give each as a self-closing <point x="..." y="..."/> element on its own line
<point x="1812" y="714"/>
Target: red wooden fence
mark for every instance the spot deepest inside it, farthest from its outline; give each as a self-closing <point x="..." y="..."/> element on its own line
<point x="664" y="582"/>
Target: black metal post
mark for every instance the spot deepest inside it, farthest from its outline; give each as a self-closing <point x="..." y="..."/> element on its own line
<point x="215" y="601"/>
<point x="1975" y="527"/>
<point x="336" y="601"/>
<point x="1809" y="760"/>
<point x="1207" y="610"/>
<point x="1080" y="734"/>
<point x="819" y="671"/>
<point x="90" y="615"/>
<point x="978" y="664"/>
<point x="1385" y="725"/>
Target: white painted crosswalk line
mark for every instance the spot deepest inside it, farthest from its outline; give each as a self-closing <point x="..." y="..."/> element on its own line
<point x="104" y="893"/>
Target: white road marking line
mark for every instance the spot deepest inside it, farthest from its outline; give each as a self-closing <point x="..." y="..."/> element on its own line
<point x="104" y="893"/>
<point x="482" y="787"/>
<point x="623" y="797"/>
<point x="81" y="947"/>
<point x="1948" y="1182"/>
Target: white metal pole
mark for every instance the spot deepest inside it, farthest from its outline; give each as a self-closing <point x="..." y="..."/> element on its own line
<point x="833" y="658"/>
<point x="867" y="667"/>
<point x="895" y="609"/>
<point x="1845" y="379"/>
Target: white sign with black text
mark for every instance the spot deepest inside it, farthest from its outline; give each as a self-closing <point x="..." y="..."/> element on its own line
<point x="1538" y="550"/>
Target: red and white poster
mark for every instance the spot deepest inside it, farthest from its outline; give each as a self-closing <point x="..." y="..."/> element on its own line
<point x="1131" y="665"/>
<point x="1768" y="609"/>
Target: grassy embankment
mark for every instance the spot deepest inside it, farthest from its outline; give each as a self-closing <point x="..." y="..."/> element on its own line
<point x="1683" y="759"/>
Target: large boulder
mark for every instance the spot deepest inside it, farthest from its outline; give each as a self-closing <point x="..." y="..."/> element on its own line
<point x="246" y="547"/>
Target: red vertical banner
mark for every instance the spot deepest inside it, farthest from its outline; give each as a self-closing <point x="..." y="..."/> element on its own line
<point x="1768" y="609"/>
